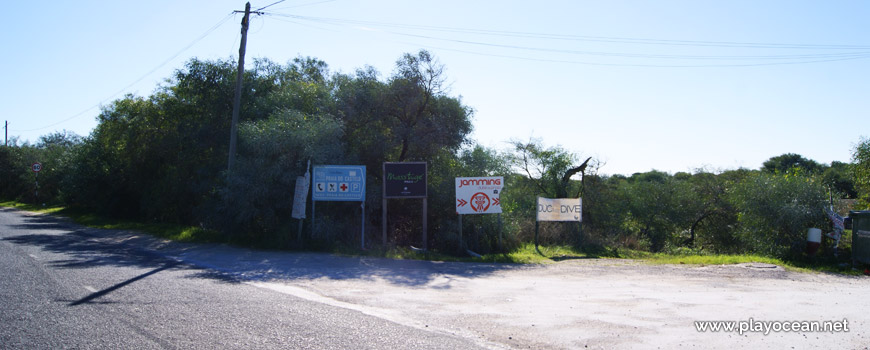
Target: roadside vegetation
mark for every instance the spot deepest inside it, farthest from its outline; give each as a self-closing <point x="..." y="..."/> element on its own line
<point x="158" y="163"/>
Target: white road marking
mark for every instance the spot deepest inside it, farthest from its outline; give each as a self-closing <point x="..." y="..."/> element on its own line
<point x="34" y="256"/>
<point x="91" y="289"/>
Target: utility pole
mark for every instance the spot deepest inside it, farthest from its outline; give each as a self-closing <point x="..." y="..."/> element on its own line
<point x="237" y="99"/>
<point x="7" y="134"/>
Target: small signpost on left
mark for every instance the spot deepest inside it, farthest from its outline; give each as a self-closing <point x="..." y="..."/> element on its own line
<point x="36" y="167"/>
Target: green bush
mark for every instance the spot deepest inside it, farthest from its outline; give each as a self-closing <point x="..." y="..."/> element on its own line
<point x="257" y="197"/>
<point x="774" y="212"/>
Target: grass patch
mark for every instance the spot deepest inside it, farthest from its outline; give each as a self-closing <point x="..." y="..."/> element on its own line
<point x="32" y="207"/>
<point x="180" y="233"/>
<point x="526" y="254"/>
<point x="805" y="264"/>
<point x="173" y="232"/>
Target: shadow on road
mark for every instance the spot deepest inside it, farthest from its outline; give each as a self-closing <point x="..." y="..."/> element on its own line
<point x="103" y="292"/>
<point x="89" y="247"/>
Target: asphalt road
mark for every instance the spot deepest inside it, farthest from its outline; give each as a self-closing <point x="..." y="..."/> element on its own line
<point x="63" y="286"/>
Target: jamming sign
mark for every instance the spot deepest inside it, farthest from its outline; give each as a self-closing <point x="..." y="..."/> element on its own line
<point x="479" y="195"/>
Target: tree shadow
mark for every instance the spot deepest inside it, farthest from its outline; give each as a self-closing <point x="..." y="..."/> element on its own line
<point x="89" y="247"/>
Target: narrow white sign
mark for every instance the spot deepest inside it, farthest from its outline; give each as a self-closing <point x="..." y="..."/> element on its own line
<point x="300" y="197"/>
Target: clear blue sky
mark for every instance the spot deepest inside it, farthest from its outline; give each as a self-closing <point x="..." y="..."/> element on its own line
<point x="667" y="85"/>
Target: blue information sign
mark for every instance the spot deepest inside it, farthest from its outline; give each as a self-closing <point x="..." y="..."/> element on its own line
<point x="339" y="183"/>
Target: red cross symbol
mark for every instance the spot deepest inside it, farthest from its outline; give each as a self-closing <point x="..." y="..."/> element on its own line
<point x="343" y="187"/>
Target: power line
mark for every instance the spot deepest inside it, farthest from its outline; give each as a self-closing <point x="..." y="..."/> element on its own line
<point x="161" y="65"/>
<point x="827" y="54"/>
<point x="306" y="4"/>
<point x="571" y="37"/>
<point x="270" y="5"/>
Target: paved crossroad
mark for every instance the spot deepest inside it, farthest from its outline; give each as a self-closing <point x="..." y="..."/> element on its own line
<point x="62" y="287"/>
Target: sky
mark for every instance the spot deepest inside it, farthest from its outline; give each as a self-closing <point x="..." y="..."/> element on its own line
<point x="640" y="85"/>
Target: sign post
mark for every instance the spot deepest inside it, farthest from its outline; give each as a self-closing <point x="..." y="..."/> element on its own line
<point x="345" y="183"/>
<point x="478" y="195"/>
<point x="405" y="180"/>
<point x="36" y="167"/>
<point x="559" y="209"/>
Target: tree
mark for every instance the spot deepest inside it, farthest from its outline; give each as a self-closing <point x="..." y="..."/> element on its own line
<point x="838" y="177"/>
<point x="658" y="206"/>
<point x="775" y="211"/>
<point x="12" y="173"/>
<point x="789" y="162"/>
<point x="708" y="203"/>
<point x="422" y="115"/>
<point x="550" y="169"/>
<point x="861" y="171"/>
<point x="257" y="198"/>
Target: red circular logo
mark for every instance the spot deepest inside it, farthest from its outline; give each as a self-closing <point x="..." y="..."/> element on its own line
<point x="480" y="202"/>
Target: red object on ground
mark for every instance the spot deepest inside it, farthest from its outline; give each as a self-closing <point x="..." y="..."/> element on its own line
<point x="812" y="248"/>
<point x="867" y="272"/>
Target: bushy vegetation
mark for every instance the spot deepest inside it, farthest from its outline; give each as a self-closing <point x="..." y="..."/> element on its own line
<point x="163" y="158"/>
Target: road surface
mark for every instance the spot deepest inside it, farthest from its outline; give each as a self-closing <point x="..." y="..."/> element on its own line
<point x="67" y="286"/>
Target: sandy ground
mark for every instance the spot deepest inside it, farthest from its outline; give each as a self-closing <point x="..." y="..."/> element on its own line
<point x="573" y="304"/>
<point x="602" y="304"/>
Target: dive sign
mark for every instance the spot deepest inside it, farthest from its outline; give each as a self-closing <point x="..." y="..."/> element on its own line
<point x="560" y="209"/>
<point x="479" y="195"/>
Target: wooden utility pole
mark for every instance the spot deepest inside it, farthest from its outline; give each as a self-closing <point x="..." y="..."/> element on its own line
<point x="7" y="133"/>
<point x="237" y="99"/>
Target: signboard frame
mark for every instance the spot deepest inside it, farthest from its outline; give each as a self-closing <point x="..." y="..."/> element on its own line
<point x="390" y="189"/>
<point x="478" y="190"/>
<point x="567" y="208"/>
<point x="320" y="174"/>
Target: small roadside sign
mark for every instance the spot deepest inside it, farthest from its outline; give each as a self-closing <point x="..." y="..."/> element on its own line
<point x="479" y="195"/>
<point x="36" y="167"/>
<point x="300" y="196"/>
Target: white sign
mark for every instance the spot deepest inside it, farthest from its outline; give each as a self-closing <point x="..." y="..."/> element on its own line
<point x="479" y="195"/>
<point x="300" y="197"/>
<point x="36" y="167"/>
<point x="560" y="209"/>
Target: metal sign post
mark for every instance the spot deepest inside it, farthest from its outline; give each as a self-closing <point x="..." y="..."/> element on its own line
<point x="36" y="168"/>
<point x="405" y="180"/>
